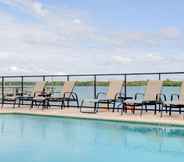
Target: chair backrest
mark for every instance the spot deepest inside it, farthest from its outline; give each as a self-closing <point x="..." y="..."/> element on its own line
<point x="39" y="87"/>
<point x="68" y="88"/>
<point x="115" y="87"/>
<point x="182" y="91"/>
<point x="152" y="89"/>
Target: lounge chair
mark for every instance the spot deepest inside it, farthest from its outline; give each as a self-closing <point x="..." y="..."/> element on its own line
<point x="9" y="98"/>
<point x="67" y="95"/>
<point x="150" y="97"/>
<point x="37" y="90"/>
<point x="111" y="97"/>
<point x="178" y="103"/>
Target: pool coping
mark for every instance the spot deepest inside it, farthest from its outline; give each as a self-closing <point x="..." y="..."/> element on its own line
<point x="155" y="123"/>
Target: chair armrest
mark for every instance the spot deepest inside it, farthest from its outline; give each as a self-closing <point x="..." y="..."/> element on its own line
<point x="117" y="96"/>
<point x="161" y="97"/>
<point x="101" y="93"/>
<point x="175" y="95"/>
<point x="9" y="95"/>
<point x="121" y="94"/>
<point x="67" y="94"/>
<point x="138" y="94"/>
<point x="72" y="95"/>
<point x="49" y="94"/>
<point x="39" y="93"/>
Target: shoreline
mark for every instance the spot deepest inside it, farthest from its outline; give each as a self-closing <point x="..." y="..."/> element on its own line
<point x="135" y="83"/>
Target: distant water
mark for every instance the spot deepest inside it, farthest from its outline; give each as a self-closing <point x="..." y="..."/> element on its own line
<point x="85" y="92"/>
<point x="88" y="92"/>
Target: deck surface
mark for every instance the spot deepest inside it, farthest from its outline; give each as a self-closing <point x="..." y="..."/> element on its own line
<point x="147" y="117"/>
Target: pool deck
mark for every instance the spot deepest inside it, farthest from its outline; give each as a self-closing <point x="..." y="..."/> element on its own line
<point x="149" y="118"/>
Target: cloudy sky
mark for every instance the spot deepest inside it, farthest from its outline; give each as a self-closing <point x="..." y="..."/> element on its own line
<point x="91" y="36"/>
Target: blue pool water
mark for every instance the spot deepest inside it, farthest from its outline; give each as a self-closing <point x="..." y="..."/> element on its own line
<point x="49" y="139"/>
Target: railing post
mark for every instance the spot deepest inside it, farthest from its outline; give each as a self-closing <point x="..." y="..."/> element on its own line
<point x="125" y="85"/>
<point x="43" y="77"/>
<point x="68" y="78"/>
<point x="94" y="84"/>
<point x="22" y="85"/>
<point x="2" y="88"/>
<point x="159" y="76"/>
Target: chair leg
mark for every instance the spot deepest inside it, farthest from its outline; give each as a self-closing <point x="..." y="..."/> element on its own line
<point x="162" y="109"/>
<point x="19" y="103"/>
<point x="97" y="107"/>
<point x="48" y="104"/>
<point x="142" y="106"/>
<point x="68" y="105"/>
<point x="155" y="112"/>
<point x="77" y="101"/>
<point x="159" y="108"/>
<point x="114" y="106"/>
<point x="123" y="108"/>
<point x="37" y="104"/>
<point x="114" y="103"/>
<point x="108" y="106"/>
<point x="146" y="108"/>
<point x="32" y="103"/>
<point x="82" y="102"/>
<point x="2" y="105"/>
<point x="62" y="104"/>
<point x="43" y="104"/>
<point x="14" y="103"/>
<point x="179" y="110"/>
<point x="133" y="111"/>
<point x="170" y="110"/>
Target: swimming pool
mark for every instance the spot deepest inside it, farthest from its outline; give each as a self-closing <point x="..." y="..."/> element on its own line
<point x="49" y="139"/>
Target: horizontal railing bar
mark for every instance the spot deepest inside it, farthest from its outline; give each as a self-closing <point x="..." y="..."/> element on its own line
<point x="71" y="75"/>
<point x="91" y="75"/>
<point x="155" y="73"/>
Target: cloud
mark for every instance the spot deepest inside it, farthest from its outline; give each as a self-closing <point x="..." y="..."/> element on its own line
<point x="31" y="6"/>
<point x="146" y="62"/>
<point x="63" y="41"/>
<point x="122" y="59"/>
<point x="170" y="33"/>
<point x="145" y="40"/>
<point x="77" y="21"/>
<point x="153" y="57"/>
<point x="13" y="68"/>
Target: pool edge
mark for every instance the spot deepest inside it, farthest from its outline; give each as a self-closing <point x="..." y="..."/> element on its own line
<point x="156" y="123"/>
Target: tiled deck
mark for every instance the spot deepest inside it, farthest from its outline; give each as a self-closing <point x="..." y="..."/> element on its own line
<point x="150" y="118"/>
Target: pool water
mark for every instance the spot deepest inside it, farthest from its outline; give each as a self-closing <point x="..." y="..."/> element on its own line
<point x="49" y="139"/>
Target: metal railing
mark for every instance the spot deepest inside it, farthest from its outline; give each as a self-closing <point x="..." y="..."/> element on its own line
<point x="123" y="76"/>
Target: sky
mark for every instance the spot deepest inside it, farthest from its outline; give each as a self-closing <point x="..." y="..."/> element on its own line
<point x="90" y="36"/>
